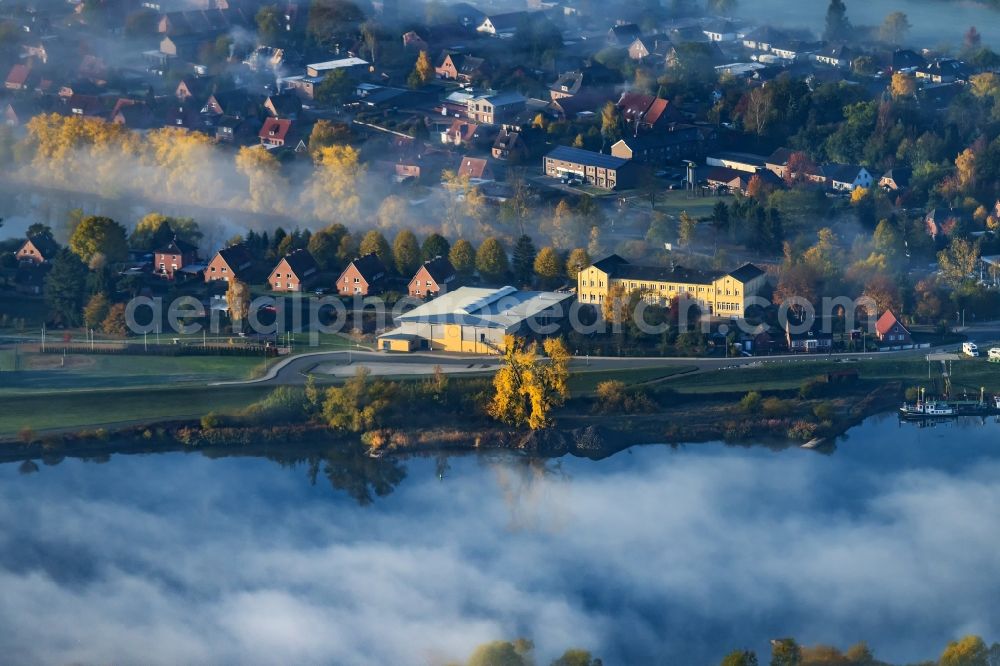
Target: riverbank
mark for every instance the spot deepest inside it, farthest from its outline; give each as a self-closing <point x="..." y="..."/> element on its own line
<point x="778" y="418"/>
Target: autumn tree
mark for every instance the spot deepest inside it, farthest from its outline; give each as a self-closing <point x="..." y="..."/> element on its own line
<point x="576" y="657"/>
<point x="99" y="234"/>
<point x="614" y="307"/>
<point x="183" y="162"/>
<point x="549" y="265"/>
<point x="238" y="301"/>
<point x="687" y="228"/>
<point x="375" y="242"/>
<point x="740" y="657"/>
<point x="423" y="71"/>
<point x="333" y="188"/>
<point x="435" y="245"/>
<point x="115" y="323"/>
<point x="759" y="108"/>
<point x="611" y="123"/>
<point x="578" y="260"/>
<point x="894" y="28"/>
<point x="359" y="404"/>
<point x="392" y="212"/>
<point x="265" y="186"/>
<point x="959" y="261"/>
<point x="566" y="228"/>
<point x="967" y="651"/>
<point x="155" y="230"/>
<point x="406" y="252"/>
<point x="463" y="203"/>
<point x="325" y="244"/>
<point x="526" y="388"/>
<point x="462" y="257"/>
<point x="903" y="85"/>
<point x="797" y="282"/>
<point x="327" y="133"/>
<point x="96" y="310"/>
<point x="884" y="291"/>
<point x="491" y="260"/>
<point x="785" y="652"/>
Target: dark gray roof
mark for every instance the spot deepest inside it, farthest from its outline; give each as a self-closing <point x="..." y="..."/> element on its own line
<point x="177" y="246"/>
<point x="587" y="157"/>
<point x="607" y="264"/>
<point x="370" y="266"/>
<point x="440" y="269"/>
<point x="301" y="263"/>
<point x="746" y="272"/>
<point x="627" y="271"/>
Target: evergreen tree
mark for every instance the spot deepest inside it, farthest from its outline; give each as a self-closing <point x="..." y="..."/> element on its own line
<point x="838" y="27"/>
<point x="524" y="259"/>
<point x="64" y="288"/>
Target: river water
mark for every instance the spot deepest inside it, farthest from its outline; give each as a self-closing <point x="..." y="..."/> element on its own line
<point x="658" y="555"/>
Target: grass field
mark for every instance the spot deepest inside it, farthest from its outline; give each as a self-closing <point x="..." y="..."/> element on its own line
<point x="49" y="372"/>
<point x="95" y="409"/>
<point x="586" y="382"/>
<point x="970" y="374"/>
<point x="672" y="202"/>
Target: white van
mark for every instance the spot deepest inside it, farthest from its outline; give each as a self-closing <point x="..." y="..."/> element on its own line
<point x="970" y="349"/>
<point x="994" y="354"/>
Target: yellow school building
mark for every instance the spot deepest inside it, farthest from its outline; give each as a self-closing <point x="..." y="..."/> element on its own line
<point x="717" y="294"/>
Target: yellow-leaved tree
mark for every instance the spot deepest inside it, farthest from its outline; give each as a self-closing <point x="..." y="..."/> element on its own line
<point x="333" y="189"/>
<point x="527" y="387"/>
<point x="264" y="180"/>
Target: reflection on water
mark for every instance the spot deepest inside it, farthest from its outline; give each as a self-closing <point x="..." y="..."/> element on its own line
<point x="656" y="555"/>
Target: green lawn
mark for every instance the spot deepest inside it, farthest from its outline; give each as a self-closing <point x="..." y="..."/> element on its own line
<point x="45" y="372"/>
<point x="787" y="375"/>
<point x="586" y="382"/>
<point x="672" y="202"/>
<point x="94" y="409"/>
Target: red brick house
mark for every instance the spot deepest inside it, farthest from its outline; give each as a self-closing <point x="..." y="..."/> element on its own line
<point x="457" y="67"/>
<point x="432" y="278"/>
<point x="231" y="263"/>
<point x="173" y="257"/>
<point x="475" y="168"/>
<point x="37" y="250"/>
<point x="276" y="132"/>
<point x="362" y="277"/>
<point x="293" y="272"/>
<point x="889" y="330"/>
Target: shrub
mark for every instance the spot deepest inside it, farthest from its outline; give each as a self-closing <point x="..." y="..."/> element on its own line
<point x="614" y="397"/>
<point x="26" y="435"/>
<point x="824" y="411"/>
<point x="802" y="431"/>
<point x="209" y="421"/>
<point x="811" y="388"/>
<point x="775" y="407"/>
<point x="750" y="402"/>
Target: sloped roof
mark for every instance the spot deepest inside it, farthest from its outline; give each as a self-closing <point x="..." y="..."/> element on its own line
<point x="746" y="272"/>
<point x="236" y="256"/>
<point x="886" y="322"/>
<point x="473" y="167"/>
<point x="487" y="308"/>
<point x="18" y="75"/>
<point x="45" y="245"/>
<point x="841" y="173"/>
<point x="586" y="157"/>
<point x="300" y="262"/>
<point x="276" y="128"/>
<point x="370" y="266"/>
<point x="440" y="269"/>
<point x="177" y="246"/>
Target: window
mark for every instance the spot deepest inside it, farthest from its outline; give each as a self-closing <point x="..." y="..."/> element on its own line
<point x="277" y="283"/>
<point x="357" y="280"/>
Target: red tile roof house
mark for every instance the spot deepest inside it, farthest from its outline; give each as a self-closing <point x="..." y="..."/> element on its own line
<point x="232" y="262"/>
<point x="362" y="277"/>
<point x="293" y="272"/>
<point x="17" y="78"/>
<point x="889" y="330"/>
<point x="432" y="278"/>
<point x="276" y="132"/>
<point x="645" y="112"/>
<point x="476" y="168"/>
<point x="37" y="250"/>
<point x="460" y="132"/>
<point x="173" y="257"/>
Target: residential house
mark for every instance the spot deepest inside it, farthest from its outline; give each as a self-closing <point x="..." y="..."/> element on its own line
<point x="432" y="278"/>
<point x="475" y="168"/>
<point x="509" y="145"/>
<point x="133" y="114"/>
<point x="836" y="55"/>
<point x="736" y="181"/>
<point x="895" y="179"/>
<point x="37" y="250"/>
<point x="236" y="131"/>
<point x="652" y="47"/>
<point x="497" y="108"/>
<point x="846" y="177"/>
<point x="414" y="42"/>
<point x="720" y="31"/>
<point x="474" y="320"/>
<point x="812" y="340"/>
<point x="364" y="276"/>
<point x="888" y="329"/>
<point x="294" y="272"/>
<point x="233" y="103"/>
<point x="623" y="34"/>
<point x="173" y="257"/>
<point x="231" y="263"/>
<point x="604" y="171"/>
<point x="192" y="87"/>
<point x="460" y="67"/>
<point x="720" y="294"/>
<point x="942" y="221"/>
<point x="459" y="133"/>
<point x="283" y="105"/>
<point x="18" y="77"/>
<point x="905" y="60"/>
<point x="277" y="132"/>
<point x="642" y="113"/>
<point x="503" y="25"/>
<point x="943" y="70"/>
<point x="761" y="39"/>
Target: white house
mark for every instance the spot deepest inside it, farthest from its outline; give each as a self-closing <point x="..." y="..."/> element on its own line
<point x="847" y="177"/>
